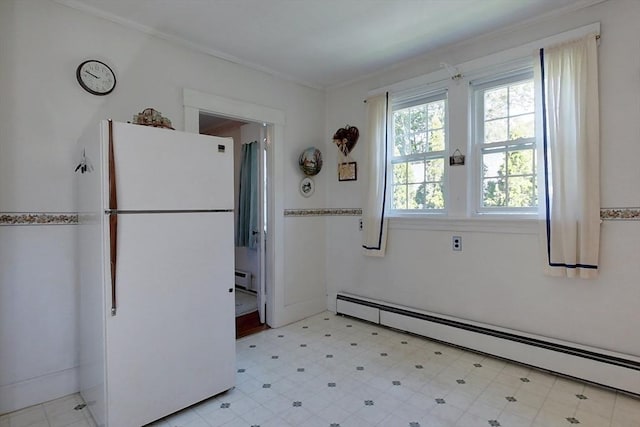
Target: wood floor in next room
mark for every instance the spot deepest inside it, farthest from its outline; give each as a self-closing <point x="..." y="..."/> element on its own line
<point x="248" y="324"/>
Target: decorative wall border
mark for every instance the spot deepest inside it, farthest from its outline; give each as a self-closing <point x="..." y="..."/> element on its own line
<point x="617" y="214"/>
<point x="38" y="218"/>
<point x="606" y="214"/>
<point x="323" y="212"/>
<point x="71" y="218"/>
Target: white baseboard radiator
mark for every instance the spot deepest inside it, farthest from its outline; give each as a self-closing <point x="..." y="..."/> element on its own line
<point x="610" y="369"/>
<point x="243" y="279"/>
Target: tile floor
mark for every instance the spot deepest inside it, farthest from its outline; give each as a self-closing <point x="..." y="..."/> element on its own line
<point x="333" y="371"/>
<point x="64" y="412"/>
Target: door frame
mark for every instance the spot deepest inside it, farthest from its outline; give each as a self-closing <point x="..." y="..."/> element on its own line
<point x="196" y="101"/>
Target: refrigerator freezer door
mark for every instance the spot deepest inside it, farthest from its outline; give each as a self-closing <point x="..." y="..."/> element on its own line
<point x="172" y="342"/>
<point x="162" y="169"/>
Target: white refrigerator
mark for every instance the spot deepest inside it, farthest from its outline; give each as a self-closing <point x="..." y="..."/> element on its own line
<point x="156" y="271"/>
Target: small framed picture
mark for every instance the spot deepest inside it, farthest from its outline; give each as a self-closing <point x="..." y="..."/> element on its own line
<point x="347" y="171"/>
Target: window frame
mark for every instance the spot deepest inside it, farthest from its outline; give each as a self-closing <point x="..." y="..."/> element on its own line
<point x="479" y="147"/>
<point x="408" y="101"/>
<point x="461" y="181"/>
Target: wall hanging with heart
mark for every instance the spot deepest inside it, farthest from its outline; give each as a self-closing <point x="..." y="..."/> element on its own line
<point x="345" y="139"/>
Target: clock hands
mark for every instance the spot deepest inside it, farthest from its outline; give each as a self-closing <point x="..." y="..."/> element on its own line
<point x="91" y="74"/>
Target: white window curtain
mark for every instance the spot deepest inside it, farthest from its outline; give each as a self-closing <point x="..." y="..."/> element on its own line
<point x="570" y="193"/>
<point x="374" y="222"/>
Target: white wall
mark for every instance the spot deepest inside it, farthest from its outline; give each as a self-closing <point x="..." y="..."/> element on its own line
<point x="43" y="111"/>
<point x="498" y="279"/>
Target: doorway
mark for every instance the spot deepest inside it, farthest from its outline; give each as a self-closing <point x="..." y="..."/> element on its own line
<point x="250" y="142"/>
<point x="277" y="312"/>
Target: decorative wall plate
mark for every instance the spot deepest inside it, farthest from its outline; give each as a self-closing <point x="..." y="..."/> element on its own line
<point x="307" y="187"/>
<point x="310" y="161"/>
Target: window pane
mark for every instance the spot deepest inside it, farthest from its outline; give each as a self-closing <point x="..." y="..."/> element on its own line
<point x="400" y="145"/>
<point x="435" y="115"/>
<point x="522" y="127"/>
<point x="399" y="173"/>
<point x="401" y="132"/>
<point x="435" y="170"/>
<point x="418" y="118"/>
<point x="495" y="130"/>
<point x="436" y="140"/>
<point x="508" y="176"/>
<point x="417" y="176"/>
<point x="418" y="144"/>
<point x="521" y="192"/>
<point x="493" y="164"/>
<point x="430" y="196"/>
<point x="494" y="192"/>
<point x="412" y="196"/>
<point x="416" y="172"/>
<point x="521" y="162"/>
<point x="495" y="103"/>
<point x="521" y="98"/>
<point x="401" y="120"/>
<point x="399" y="197"/>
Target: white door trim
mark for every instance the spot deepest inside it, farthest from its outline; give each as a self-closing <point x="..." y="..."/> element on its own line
<point x="195" y="101"/>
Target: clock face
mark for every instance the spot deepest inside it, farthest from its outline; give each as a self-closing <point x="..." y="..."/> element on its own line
<point x="96" y="77"/>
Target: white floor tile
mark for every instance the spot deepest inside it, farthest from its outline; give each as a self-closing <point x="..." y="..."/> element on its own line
<point x="471" y="420"/>
<point x="484" y="410"/>
<point x="28" y="417"/>
<point x="590" y="419"/>
<point x="344" y="372"/>
<point x="295" y="415"/>
<point x="447" y="412"/>
<point x="512" y="420"/>
<point x="220" y="417"/>
<point x="521" y="410"/>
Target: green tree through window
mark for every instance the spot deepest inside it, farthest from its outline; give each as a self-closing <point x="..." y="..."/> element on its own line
<point x="419" y="142"/>
<point x="506" y="144"/>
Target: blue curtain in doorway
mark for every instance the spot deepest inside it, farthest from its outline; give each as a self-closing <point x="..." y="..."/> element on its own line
<point x="248" y="198"/>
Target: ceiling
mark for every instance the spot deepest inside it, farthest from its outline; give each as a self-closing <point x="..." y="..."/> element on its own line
<point x="320" y="43"/>
<point x="211" y="124"/>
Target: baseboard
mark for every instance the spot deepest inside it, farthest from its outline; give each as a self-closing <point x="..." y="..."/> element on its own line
<point x="37" y="390"/>
<point x="599" y="366"/>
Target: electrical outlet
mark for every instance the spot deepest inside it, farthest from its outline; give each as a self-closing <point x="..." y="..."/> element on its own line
<point x="456" y="243"/>
<point x="360" y="226"/>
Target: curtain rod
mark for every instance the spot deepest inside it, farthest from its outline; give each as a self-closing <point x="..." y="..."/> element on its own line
<point x="577" y="32"/>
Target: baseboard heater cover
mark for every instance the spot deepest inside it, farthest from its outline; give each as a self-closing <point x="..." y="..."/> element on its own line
<point x="598" y="366"/>
<point x="243" y="279"/>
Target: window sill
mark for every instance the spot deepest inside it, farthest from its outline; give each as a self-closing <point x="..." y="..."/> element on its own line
<point x="481" y="224"/>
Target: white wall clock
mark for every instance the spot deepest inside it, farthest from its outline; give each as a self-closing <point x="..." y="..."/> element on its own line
<point x="96" y="77"/>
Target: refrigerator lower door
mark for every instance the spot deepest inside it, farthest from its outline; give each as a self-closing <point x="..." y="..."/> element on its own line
<point x="172" y="342"/>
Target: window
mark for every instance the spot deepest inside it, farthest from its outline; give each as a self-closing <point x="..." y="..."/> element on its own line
<point x="416" y="155"/>
<point x="505" y="145"/>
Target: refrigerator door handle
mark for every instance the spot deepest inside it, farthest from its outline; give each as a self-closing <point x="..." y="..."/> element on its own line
<point x="113" y="220"/>
<point x="113" y="234"/>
